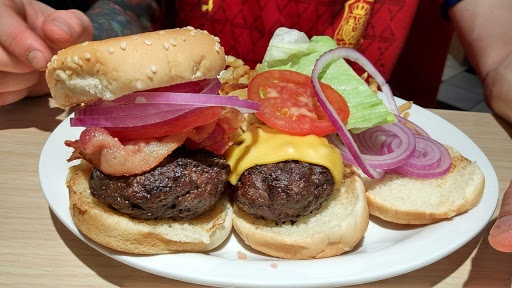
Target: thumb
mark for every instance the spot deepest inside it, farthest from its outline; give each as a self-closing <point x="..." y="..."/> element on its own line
<point x="63" y="28"/>
<point x="500" y="236"/>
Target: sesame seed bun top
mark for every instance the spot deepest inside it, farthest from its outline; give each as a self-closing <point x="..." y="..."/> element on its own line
<point x="111" y="68"/>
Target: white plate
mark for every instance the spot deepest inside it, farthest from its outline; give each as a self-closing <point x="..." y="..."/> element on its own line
<point x="386" y="250"/>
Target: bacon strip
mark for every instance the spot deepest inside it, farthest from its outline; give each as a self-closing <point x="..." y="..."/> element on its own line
<point x="130" y="157"/>
<point x="108" y="154"/>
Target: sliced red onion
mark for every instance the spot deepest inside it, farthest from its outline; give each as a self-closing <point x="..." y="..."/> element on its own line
<point x="430" y="160"/>
<point x="197" y="100"/>
<point x="336" y="121"/>
<point x="146" y="108"/>
<point x="392" y="147"/>
<point x="205" y="86"/>
<point x="394" y="158"/>
<point x="133" y="120"/>
<point x="127" y="109"/>
<point x="353" y="55"/>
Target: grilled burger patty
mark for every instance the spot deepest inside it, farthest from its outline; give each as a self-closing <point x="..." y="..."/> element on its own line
<point x="183" y="186"/>
<point x="283" y="191"/>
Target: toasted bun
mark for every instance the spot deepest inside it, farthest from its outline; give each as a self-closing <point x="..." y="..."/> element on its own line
<point x="331" y="230"/>
<point x="120" y="232"/>
<point x="409" y="200"/>
<point x="111" y="68"/>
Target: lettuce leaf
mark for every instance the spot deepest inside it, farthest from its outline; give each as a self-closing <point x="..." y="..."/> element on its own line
<point x="290" y="49"/>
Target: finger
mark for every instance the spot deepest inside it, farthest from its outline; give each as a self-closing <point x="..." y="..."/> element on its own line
<point x="40" y="88"/>
<point x="17" y="81"/>
<point x="64" y="28"/>
<point x="10" y="63"/>
<point x="11" y="97"/>
<point x="19" y="39"/>
<point x="500" y="236"/>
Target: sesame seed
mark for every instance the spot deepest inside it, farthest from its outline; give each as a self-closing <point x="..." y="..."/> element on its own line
<point x="173" y="42"/>
<point x="153" y="68"/>
<point x="110" y="50"/>
<point x="87" y="56"/>
<point x="217" y="47"/>
<point x="123" y="45"/>
<point x="193" y="33"/>
<point x="147" y="42"/>
<point x="85" y="43"/>
<point x="97" y="68"/>
<point x="183" y="38"/>
<point x="166" y="46"/>
<point x="217" y="39"/>
<point x="139" y="84"/>
<point x="68" y="72"/>
<point x="135" y="37"/>
<point x="149" y="73"/>
<point x="60" y="75"/>
<point x="75" y="59"/>
<point x="161" y="32"/>
<point x="54" y="58"/>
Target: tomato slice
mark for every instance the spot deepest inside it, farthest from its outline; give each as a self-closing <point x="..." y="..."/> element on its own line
<point x="288" y="103"/>
<point x="189" y="120"/>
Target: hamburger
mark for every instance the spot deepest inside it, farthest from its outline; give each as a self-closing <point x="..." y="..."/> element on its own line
<point x="292" y="198"/>
<point x="156" y="187"/>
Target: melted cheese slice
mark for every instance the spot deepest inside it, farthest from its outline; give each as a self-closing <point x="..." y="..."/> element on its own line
<point x="263" y="145"/>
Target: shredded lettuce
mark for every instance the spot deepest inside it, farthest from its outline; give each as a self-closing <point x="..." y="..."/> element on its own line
<point x="290" y="49"/>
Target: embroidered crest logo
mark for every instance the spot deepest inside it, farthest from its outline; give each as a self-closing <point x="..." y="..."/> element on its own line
<point x="350" y="32"/>
<point x="206" y="5"/>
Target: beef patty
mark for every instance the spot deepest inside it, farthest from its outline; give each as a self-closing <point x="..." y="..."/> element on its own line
<point x="186" y="184"/>
<point x="283" y="191"/>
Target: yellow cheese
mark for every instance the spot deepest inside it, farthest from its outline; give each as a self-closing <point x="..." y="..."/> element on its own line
<point x="263" y="145"/>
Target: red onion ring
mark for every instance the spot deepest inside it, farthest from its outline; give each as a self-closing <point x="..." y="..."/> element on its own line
<point x="353" y="55"/>
<point x="377" y="136"/>
<point x="196" y="100"/>
<point x="132" y="120"/>
<point x="126" y="109"/>
<point x="140" y="109"/>
<point x="427" y="162"/>
<point x="205" y="86"/>
<point x="392" y="147"/>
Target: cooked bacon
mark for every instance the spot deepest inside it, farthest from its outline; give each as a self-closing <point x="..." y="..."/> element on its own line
<point x="218" y="140"/>
<point x="129" y="157"/>
<point x="108" y="154"/>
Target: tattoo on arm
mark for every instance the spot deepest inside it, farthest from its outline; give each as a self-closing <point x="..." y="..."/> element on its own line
<point x="121" y="17"/>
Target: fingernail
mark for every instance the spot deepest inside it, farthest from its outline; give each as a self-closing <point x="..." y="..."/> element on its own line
<point x="502" y="225"/>
<point x="36" y="59"/>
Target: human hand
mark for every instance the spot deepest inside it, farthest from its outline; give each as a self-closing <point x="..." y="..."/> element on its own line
<point x="30" y="34"/>
<point x="500" y="236"/>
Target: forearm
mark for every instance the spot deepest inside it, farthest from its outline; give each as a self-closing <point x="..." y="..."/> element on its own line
<point x="483" y="28"/>
<point x="119" y="18"/>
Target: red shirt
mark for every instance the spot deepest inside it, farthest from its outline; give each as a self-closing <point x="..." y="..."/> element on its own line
<point x="377" y="28"/>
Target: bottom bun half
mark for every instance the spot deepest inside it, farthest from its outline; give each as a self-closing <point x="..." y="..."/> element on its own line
<point x="408" y="200"/>
<point x="333" y="229"/>
<point x="120" y="232"/>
